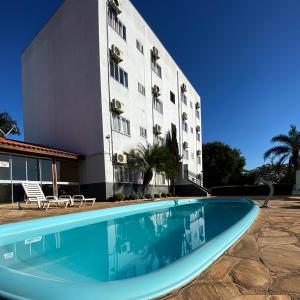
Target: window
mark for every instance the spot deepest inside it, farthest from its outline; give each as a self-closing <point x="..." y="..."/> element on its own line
<point x="118" y="73"/>
<point x="197" y="113"/>
<point x="120" y="124"/>
<point x="199" y="160"/>
<point x="192" y="129"/>
<point x="116" y="24"/>
<point x="141" y="88"/>
<point x="185" y="126"/>
<point x="4" y="167"/>
<point x="184" y="99"/>
<point x="198" y="136"/>
<point x="191" y="104"/>
<point x="143" y="132"/>
<point x="46" y="166"/>
<point x="33" y="169"/>
<point x="158" y="105"/>
<point x="185" y="154"/>
<point x="172" y="97"/>
<point x="160" y="178"/>
<point x="122" y="174"/>
<point x="18" y="168"/>
<point x="156" y="68"/>
<point x="139" y="46"/>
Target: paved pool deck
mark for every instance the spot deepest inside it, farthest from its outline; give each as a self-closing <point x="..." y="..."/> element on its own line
<point x="263" y="264"/>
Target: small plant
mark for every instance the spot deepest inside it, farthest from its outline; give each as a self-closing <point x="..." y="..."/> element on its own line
<point x="148" y="196"/>
<point x="163" y="195"/>
<point x="169" y="195"/>
<point x="118" y="197"/>
<point x="127" y="198"/>
<point x="156" y="195"/>
<point x="133" y="197"/>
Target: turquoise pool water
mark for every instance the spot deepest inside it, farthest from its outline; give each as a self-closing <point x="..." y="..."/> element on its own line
<point x="109" y="252"/>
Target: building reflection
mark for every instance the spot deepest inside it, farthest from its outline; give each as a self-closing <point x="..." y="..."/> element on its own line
<point x="117" y="249"/>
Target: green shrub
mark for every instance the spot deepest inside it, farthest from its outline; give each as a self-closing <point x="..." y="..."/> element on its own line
<point x="156" y="195"/>
<point x="163" y="195"/>
<point x="169" y="195"/>
<point x="148" y="196"/>
<point x="118" y="197"/>
<point x="133" y="197"/>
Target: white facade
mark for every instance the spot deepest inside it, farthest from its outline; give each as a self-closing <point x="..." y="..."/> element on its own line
<point x="68" y="90"/>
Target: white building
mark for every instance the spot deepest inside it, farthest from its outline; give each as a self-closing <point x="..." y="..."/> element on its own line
<point x="89" y="79"/>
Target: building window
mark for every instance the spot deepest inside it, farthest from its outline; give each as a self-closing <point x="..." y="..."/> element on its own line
<point x="120" y="124"/>
<point x="197" y="113"/>
<point x="143" y="132"/>
<point x="185" y="154"/>
<point x="122" y="174"/>
<point x="19" y="168"/>
<point x="158" y="105"/>
<point x="160" y="179"/>
<point x="116" y="24"/>
<point x="139" y="46"/>
<point x="198" y="136"/>
<point x="4" y="167"/>
<point x="141" y="88"/>
<point x="199" y="160"/>
<point x="156" y="68"/>
<point x="192" y="129"/>
<point x="172" y="97"/>
<point x="184" y="99"/>
<point x="191" y="104"/>
<point x="185" y="126"/>
<point x="118" y="73"/>
<point x="33" y="169"/>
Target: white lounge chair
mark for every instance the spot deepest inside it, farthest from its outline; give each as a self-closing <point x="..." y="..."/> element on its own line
<point x="34" y="194"/>
<point x="83" y="199"/>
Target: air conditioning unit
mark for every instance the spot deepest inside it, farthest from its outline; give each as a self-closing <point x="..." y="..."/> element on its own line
<point x="184" y="116"/>
<point x="198" y="152"/>
<point x="120" y="158"/>
<point x="117" y="106"/>
<point x="155" y="53"/>
<point x="185" y="145"/>
<point x="183" y="87"/>
<point x="115" y="6"/>
<point x="157" y="129"/>
<point x="116" y="53"/>
<point x="156" y="90"/>
<point x="198" y="128"/>
<point x="197" y="105"/>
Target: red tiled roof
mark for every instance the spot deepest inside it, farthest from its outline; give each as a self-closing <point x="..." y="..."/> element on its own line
<point x="19" y="146"/>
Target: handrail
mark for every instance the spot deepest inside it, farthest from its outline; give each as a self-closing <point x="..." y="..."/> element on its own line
<point x="194" y="178"/>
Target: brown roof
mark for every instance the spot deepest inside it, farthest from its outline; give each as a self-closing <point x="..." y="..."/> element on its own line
<point x="12" y="146"/>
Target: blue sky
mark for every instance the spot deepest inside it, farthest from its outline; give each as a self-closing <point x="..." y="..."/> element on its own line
<point x="242" y="56"/>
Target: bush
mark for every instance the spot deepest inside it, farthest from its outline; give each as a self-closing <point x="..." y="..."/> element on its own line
<point x="133" y="197"/>
<point x="127" y="198"/>
<point x="118" y="197"/>
<point x="251" y="190"/>
<point x="148" y="196"/>
<point x="163" y="195"/>
<point x="156" y="195"/>
<point x="169" y="195"/>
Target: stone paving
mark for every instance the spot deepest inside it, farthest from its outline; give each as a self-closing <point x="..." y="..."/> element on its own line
<point x="263" y="264"/>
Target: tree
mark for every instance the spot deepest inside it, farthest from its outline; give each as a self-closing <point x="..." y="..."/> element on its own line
<point x="172" y="169"/>
<point x="149" y="159"/>
<point x="287" y="151"/>
<point x="221" y="164"/>
<point x="7" y="124"/>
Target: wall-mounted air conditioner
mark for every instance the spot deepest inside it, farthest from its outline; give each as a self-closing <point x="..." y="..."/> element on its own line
<point x="116" y="54"/>
<point x="155" y="53"/>
<point x="183" y="87"/>
<point x="197" y="105"/>
<point x="157" y="129"/>
<point x="156" y="90"/>
<point x="198" y="128"/>
<point x="184" y="116"/>
<point x="115" y="6"/>
<point x="120" y="158"/>
<point x="117" y="106"/>
<point x="185" y="145"/>
<point x="198" y="153"/>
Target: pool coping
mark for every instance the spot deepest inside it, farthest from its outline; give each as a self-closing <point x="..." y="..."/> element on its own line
<point x="231" y="235"/>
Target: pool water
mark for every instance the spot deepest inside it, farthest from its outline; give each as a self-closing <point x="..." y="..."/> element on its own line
<point x="123" y="247"/>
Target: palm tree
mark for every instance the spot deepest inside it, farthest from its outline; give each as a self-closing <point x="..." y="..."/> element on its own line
<point x="288" y="150"/>
<point x="8" y="125"/>
<point x="149" y="159"/>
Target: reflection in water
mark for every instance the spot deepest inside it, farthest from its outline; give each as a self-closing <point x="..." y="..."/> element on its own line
<point x="119" y="248"/>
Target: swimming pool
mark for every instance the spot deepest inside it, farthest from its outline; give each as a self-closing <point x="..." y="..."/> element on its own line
<point x="131" y="252"/>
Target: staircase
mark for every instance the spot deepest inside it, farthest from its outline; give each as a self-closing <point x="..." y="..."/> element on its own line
<point x="195" y="180"/>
